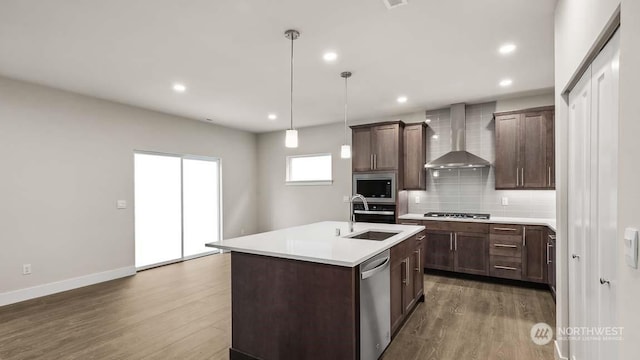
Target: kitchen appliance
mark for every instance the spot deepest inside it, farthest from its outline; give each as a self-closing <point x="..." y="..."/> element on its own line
<point x="378" y="213"/>
<point x="375" y="306"/>
<point x="376" y="188"/>
<point x="458" y="215"/>
<point x="458" y="157"/>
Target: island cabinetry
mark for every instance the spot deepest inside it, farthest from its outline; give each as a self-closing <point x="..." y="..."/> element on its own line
<point x="291" y="309"/>
<point x="406" y="278"/>
<point x="457" y="246"/>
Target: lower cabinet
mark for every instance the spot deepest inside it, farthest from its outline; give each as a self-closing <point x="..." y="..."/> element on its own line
<point x="407" y="282"/>
<point x="534" y="255"/>
<point x="457" y="246"/>
<point x="551" y="261"/>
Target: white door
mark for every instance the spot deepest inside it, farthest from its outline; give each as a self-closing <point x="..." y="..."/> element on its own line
<point x="578" y="207"/>
<point x="592" y="190"/>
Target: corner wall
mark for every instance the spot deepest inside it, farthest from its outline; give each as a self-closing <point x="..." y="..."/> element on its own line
<point x="67" y="158"/>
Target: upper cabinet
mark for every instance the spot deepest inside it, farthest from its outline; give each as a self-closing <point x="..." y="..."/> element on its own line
<point x="415" y="156"/>
<point x="525" y="149"/>
<point x="378" y="147"/>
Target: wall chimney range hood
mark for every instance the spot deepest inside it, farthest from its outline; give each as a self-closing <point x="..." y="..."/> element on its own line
<point x="458" y="157"/>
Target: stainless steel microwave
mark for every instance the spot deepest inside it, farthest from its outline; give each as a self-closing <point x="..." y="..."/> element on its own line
<point x="376" y="188"/>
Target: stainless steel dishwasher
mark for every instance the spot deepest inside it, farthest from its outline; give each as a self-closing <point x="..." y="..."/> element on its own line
<point x="375" y="306"/>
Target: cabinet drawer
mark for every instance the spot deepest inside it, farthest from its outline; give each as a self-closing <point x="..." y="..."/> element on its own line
<point x="505" y="267"/>
<point x="457" y="226"/>
<point x="505" y="245"/>
<point x="506" y="229"/>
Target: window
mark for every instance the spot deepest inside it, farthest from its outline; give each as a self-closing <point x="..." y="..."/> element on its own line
<point x="309" y="169"/>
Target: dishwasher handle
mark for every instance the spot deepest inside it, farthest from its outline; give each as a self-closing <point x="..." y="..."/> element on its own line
<point x="377" y="269"/>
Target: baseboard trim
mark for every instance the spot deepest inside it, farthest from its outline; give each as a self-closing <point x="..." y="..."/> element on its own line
<point x="16" y="296"/>
<point x="558" y="354"/>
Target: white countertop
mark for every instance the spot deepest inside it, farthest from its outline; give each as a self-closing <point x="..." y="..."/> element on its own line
<point x="318" y="242"/>
<point x="551" y="223"/>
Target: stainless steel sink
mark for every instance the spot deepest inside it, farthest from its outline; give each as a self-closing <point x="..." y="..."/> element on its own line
<point x="374" y="235"/>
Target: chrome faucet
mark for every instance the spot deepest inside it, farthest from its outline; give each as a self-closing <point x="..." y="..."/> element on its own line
<point x="352" y="216"/>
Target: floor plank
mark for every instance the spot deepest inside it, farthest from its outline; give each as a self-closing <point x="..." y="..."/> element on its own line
<point x="183" y="311"/>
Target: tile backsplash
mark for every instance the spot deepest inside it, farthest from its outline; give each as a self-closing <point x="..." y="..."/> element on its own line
<point x="473" y="190"/>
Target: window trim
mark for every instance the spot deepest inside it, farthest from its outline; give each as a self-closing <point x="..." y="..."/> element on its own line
<point x="307" y="182"/>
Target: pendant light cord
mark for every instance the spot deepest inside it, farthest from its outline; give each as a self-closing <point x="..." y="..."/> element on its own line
<point x="345" y="110"/>
<point x="291" y="99"/>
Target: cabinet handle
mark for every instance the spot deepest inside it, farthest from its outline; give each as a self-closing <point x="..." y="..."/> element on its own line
<point x="552" y="237"/>
<point x="524" y="236"/>
<point x="422" y="237"/>
<point x="517" y="177"/>
<point x="504" y="267"/>
<point x="419" y="260"/>
<point x="406" y="283"/>
<point x="375" y="161"/>
<point x="548" y="258"/>
<point x="522" y="177"/>
<point x="371" y="161"/>
<point x="505" y="246"/>
<point x="504" y="229"/>
<point x="549" y="176"/>
<point x="406" y="273"/>
<point x="455" y="243"/>
<point x="450" y="241"/>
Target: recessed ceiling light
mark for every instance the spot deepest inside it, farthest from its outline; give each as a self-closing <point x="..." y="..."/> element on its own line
<point x="506" y="82"/>
<point x="330" y="56"/>
<point x="272" y="116"/>
<point x="179" y="88"/>
<point x="402" y="99"/>
<point x="507" y="49"/>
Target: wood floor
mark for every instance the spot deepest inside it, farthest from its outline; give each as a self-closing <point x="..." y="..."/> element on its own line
<point x="183" y="311"/>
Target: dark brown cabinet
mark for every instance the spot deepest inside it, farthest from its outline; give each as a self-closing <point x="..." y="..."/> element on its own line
<point x="406" y="278"/>
<point x="377" y="147"/>
<point x="457" y="246"/>
<point x="415" y="156"/>
<point x="534" y="266"/>
<point x="551" y="261"/>
<point x="525" y="149"/>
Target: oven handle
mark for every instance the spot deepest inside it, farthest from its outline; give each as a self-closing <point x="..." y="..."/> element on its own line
<point x="373" y="212"/>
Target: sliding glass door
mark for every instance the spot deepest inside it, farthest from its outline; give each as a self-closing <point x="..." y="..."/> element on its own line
<point x="177" y="207"/>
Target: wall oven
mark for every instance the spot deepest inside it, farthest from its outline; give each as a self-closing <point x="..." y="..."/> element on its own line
<point x="377" y="213"/>
<point x="379" y="188"/>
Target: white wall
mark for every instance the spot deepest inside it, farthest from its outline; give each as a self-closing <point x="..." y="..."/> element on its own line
<point x="281" y="205"/>
<point x="578" y="24"/>
<point x="67" y="158"/>
<point x="629" y="191"/>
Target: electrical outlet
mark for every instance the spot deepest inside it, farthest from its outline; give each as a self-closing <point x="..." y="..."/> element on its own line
<point x="505" y="201"/>
<point x="26" y="269"/>
<point x="121" y="204"/>
<point x="417" y="199"/>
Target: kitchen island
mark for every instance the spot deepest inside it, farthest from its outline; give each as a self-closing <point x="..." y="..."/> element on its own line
<point x="296" y="291"/>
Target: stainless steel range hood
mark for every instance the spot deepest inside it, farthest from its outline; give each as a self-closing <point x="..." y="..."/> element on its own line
<point x="458" y="157"/>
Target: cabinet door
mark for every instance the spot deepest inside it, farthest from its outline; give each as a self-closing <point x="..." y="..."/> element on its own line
<point x="408" y="298"/>
<point x="534" y="262"/>
<point x="397" y="289"/>
<point x="551" y="264"/>
<point x="507" y="152"/>
<point x="418" y="271"/>
<point x="438" y="250"/>
<point x="362" y="159"/>
<point x="533" y="146"/>
<point x="415" y="156"/>
<point x="551" y="151"/>
<point x="471" y="253"/>
<point x="385" y="144"/>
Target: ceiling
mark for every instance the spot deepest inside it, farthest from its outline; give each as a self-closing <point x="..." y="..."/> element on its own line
<point x="234" y="59"/>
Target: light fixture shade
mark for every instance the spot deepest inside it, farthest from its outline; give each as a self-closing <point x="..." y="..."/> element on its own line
<point x="345" y="152"/>
<point x="291" y="139"/>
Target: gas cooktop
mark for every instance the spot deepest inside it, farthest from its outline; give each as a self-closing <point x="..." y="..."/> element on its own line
<point x="458" y="215"/>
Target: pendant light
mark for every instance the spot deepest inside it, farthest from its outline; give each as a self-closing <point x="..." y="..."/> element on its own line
<point x="345" y="150"/>
<point x="291" y="136"/>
